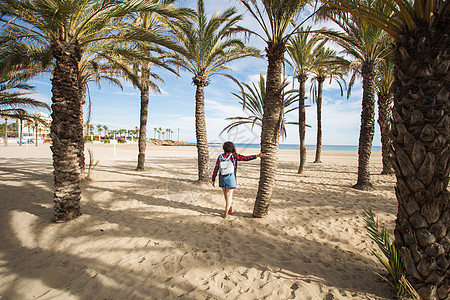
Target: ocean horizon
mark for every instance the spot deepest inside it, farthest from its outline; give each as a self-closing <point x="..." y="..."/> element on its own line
<point x="308" y="147"/>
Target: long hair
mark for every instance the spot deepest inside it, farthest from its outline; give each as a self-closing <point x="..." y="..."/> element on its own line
<point x="229" y="147"/>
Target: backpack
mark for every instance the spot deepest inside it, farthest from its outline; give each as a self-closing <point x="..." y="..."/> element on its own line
<point x="226" y="166"/>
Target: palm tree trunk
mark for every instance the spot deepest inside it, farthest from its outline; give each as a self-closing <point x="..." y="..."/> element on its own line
<point x="81" y="158"/>
<point x="302" y="121"/>
<point x="66" y="131"/>
<point x="384" y="120"/>
<point x="270" y="133"/>
<point x="143" y="127"/>
<point x="6" y="132"/>
<point x="319" y="119"/>
<point x="200" y="129"/>
<point x="367" y="127"/>
<point x="21" y="132"/>
<point x="421" y="156"/>
<point x="36" y="128"/>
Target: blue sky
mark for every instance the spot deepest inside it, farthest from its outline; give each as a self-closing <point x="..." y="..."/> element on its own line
<point x="174" y="108"/>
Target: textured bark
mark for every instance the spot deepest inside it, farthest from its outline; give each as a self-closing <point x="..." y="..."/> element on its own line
<point x="302" y="121"/>
<point x="143" y="128"/>
<point x="200" y="129"/>
<point x="320" y="81"/>
<point x="420" y="135"/>
<point x="270" y="133"/>
<point x="367" y="127"/>
<point x="81" y="158"/>
<point x="66" y="131"/>
<point x="384" y="120"/>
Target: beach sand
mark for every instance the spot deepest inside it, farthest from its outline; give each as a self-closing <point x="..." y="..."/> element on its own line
<point x="156" y="235"/>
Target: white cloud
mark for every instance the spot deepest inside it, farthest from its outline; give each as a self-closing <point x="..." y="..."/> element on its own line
<point x="215" y="109"/>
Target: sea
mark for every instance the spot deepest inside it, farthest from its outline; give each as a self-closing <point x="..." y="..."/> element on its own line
<point x="308" y="147"/>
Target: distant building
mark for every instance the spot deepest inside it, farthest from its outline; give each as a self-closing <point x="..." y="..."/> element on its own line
<point x="28" y="130"/>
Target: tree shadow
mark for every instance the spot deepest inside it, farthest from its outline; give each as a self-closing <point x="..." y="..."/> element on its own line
<point x="164" y="220"/>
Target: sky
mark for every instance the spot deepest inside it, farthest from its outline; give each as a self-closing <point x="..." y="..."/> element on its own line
<point x="174" y="107"/>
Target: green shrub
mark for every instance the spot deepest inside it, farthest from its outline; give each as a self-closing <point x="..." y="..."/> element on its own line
<point x="92" y="164"/>
<point x="390" y="258"/>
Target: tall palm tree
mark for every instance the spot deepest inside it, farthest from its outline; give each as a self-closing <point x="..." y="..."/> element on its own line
<point x="302" y="49"/>
<point x="368" y="45"/>
<point x="21" y="115"/>
<point x="385" y="98"/>
<point x="327" y="64"/>
<point x="208" y="48"/>
<point x="420" y="135"/>
<point x="38" y="121"/>
<point x="155" y="130"/>
<point x="274" y="17"/>
<point x="99" y="131"/>
<point x="96" y="65"/>
<point x="56" y="33"/>
<point x="5" y="116"/>
<point x="253" y="97"/>
<point x="105" y="128"/>
<point x="154" y="24"/>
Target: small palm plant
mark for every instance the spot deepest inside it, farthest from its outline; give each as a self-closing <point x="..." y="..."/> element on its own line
<point x="92" y="164"/>
<point x="252" y="100"/>
<point x="391" y="259"/>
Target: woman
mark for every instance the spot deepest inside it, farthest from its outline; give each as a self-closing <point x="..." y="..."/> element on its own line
<point x="227" y="177"/>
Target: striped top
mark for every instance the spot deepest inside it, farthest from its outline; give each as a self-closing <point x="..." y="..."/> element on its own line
<point x="234" y="158"/>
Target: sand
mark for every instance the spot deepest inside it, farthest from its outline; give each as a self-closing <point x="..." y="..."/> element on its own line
<point x="156" y="235"/>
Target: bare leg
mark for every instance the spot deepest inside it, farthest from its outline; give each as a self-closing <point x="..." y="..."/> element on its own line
<point x="229" y="199"/>
<point x="228" y="194"/>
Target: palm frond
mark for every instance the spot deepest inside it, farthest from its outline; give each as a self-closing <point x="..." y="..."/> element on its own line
<point x="389" y="258"/>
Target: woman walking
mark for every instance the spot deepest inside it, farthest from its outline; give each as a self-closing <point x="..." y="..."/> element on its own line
<point x="226" y="166"/>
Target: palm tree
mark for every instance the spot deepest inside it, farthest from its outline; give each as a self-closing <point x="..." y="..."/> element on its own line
<point x="13" y="96"/>
<point x="56" y="36"/>
<point x="150" y="23"/>
<point x="384" y="100"/>
<point x="21" y="115"/>
<point x="105" y="128"/>
<point x="368" y="45"/>
<point x="155" y="130"/>
<point x="420" y="132"/>
<point x="98" y="64"/>
<point x="253" y="98"/>
<point x="280" y="14"/>
<point x="99" y="131"/>
<point x="327" y="64"/>
<point x="302" y="50"/>
<point x="37" y="121"/>
<point x="208" y="48"/>
<point x="5" y="115"/>
<point x="14" y="93"/>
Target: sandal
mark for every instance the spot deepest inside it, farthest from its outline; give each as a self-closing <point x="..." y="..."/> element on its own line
<point x="230" y="211"/>
<point x="225" y="215"/>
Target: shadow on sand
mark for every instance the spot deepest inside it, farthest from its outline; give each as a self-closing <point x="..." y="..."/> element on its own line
<point x="165" y="238"/>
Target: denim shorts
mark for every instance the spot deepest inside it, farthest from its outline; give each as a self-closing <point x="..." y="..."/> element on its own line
<point x="227" y="180"/>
